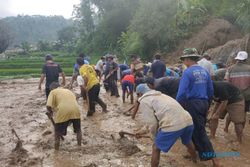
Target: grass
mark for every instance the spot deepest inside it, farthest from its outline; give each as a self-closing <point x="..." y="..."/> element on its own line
<point x="26" y="66"/>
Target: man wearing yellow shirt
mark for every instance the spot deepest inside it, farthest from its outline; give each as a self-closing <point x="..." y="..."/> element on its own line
<point x="63" y="103"/>
<point x="91" y="85"/>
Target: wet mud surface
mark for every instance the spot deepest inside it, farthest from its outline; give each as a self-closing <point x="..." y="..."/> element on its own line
<point x="22" y="107"/>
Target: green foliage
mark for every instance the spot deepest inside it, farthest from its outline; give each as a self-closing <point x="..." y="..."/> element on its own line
<point x="102" y="22"/>
<point x="35" y="28"/>
<point x="148" y="26"/>
<point x="136" y="26"/>
<point x="243" y="15"/>
<point x="66" y="34"/>
<point x="30" y="65"/>
<point x="26" y="47"/>
<point x="43" y="46"/>
<point x="130" y="42"/>
<point x="5" y="36"/>
<point x="235" y="11"/>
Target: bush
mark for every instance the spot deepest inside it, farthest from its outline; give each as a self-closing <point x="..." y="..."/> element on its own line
<point x="130" y="43"/>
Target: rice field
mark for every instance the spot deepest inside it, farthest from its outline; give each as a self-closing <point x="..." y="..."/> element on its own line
<point x="25" y="66"/>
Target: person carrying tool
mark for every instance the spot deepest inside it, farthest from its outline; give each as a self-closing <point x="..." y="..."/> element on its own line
<point x="63" y="103"/>
<point x="168" y="119"/>
<point x="91" y="85"/>
<point x="111" y="75"/>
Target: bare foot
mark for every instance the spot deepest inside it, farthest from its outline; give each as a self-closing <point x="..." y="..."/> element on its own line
<point x="189" y="157"/>
<point x="216" y="163"/>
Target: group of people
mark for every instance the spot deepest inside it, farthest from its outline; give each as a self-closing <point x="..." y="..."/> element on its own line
<point x="176" y="104"/>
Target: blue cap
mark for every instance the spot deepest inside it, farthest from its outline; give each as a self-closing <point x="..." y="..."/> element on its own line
<point x="142" y="88"/>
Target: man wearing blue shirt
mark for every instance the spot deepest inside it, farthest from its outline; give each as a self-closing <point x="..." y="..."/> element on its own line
<point x="158" y="68"/>
<point x="194" y="93"/>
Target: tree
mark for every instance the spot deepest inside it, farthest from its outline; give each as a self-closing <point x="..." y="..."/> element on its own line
<point x="66" y="34"/>
<point x="153" y="22"/>
<point x="101" y="23"/>
<point x="26" y="47"/>
<point x="5" y="36"/>
<point x="35" y="28"/>
<point x="43" y="46"/>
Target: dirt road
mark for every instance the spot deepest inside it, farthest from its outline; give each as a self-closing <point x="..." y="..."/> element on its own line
<point x="22" y="107"/>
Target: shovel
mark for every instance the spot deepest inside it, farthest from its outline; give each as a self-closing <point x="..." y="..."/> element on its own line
<point x="123" y="133"/>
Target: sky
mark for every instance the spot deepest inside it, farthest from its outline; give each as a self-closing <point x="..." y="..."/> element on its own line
<point x="37" y="7"/>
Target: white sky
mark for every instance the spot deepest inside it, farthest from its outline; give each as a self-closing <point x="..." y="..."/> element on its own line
<point x="37" y="7"/>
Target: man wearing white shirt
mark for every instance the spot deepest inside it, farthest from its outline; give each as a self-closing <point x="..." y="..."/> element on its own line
<point x="206" y="63"/>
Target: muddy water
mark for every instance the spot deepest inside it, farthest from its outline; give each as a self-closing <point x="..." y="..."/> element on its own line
<point x="22" y="107"/>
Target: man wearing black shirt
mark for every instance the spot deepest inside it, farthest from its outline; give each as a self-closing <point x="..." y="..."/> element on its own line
<point x="158" y="68"/>
<point x="166" y="85"/>
<point x="229" y="100"/>
<point x="111" y="75"/>
<point x="51" y="71"/>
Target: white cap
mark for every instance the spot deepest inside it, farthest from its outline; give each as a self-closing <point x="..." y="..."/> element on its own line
<point x="242" y="55"/>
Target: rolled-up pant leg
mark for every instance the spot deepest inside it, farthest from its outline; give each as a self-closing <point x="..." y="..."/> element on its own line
<point x="198" y="110"/>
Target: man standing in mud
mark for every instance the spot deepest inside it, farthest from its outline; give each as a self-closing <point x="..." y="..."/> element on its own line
<point x="195" y="94"/>
<point x="51" y="72"/>
<point x="63" y="103"/>
<point x="91" y="85"/>
<point x="111" y="75"/>
<point x="239" y="75"/>
<point x="229" y="100"/>
<point x="158" y="67"/>
<point x="168" y="122"/>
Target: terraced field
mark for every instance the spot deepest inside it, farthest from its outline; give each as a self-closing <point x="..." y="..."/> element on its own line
<point x="24" y="66"/>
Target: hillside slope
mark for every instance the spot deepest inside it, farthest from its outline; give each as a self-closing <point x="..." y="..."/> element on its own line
<point x="31" y="29"/>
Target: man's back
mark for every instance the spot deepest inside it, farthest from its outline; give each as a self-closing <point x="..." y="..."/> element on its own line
<point x="63" y="101"/>
<point x="239" y="75"/>
<point x="195" y="83"/>
<point x="89" y="72"/>
<point x="99" y="65"/>
<point x="158" y="69"/>
<point x="166" y="110"/>
<point x="51" y="71"/>
<point x="167" y="85"/>
<point x="207" y="65"/>
<point x="226" y="91"/>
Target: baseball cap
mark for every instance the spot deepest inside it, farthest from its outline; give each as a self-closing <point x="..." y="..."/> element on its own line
<point x="142" y="88"/>
<point x="242" y="55"/>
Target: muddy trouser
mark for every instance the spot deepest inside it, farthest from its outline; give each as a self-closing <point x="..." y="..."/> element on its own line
<point x="198" y="110"/>
<point x="47" y="91"/>
<point x="113" y="86"/>
<point x="93" y="95"/>
<point x="247" y="106"/>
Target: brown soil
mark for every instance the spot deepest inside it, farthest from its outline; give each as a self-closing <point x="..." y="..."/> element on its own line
<point x="227" y="52"/>
<point x="23" y="106"/>
<point x="216" y="32"/>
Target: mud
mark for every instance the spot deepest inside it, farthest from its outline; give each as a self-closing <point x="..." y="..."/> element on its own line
<point x="23" y="106"/>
